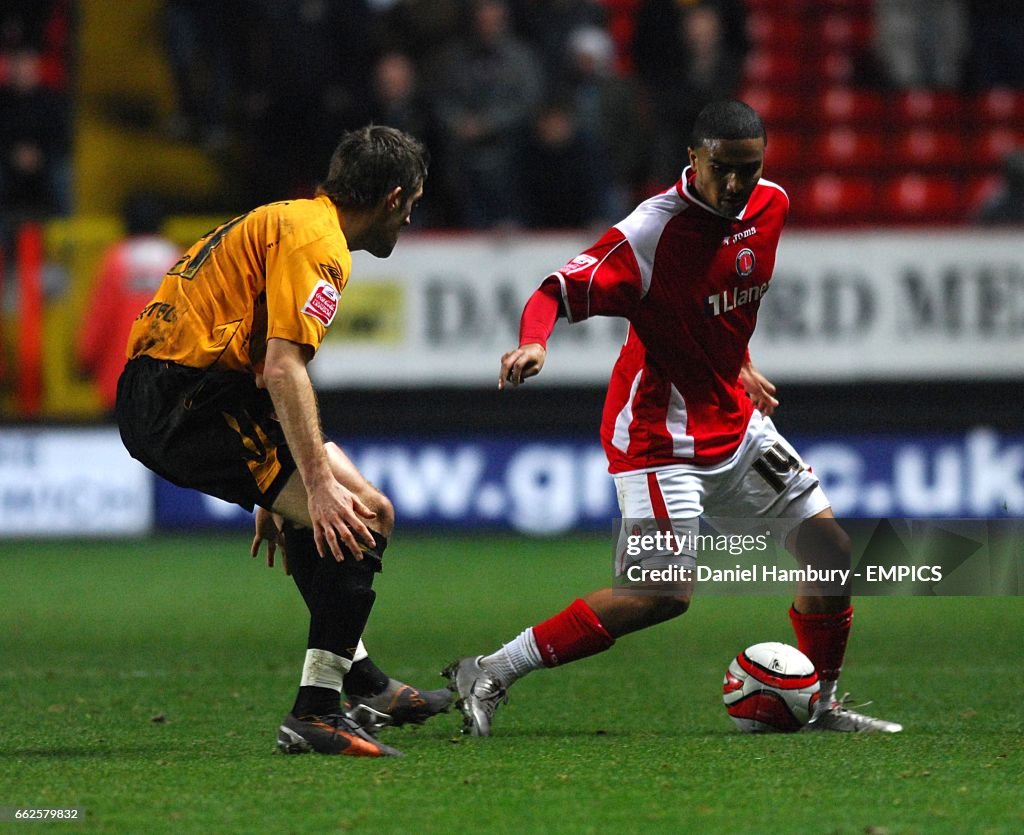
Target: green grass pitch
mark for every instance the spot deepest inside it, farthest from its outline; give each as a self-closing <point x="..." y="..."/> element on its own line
<point x="144" y="682"/>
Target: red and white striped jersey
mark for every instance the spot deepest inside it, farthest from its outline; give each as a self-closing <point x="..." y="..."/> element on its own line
<point x="689" y="281"/>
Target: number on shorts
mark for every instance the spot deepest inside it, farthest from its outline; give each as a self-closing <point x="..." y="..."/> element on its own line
<point x="774" y="464"/>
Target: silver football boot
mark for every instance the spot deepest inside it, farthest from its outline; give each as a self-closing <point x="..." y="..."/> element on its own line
<point x="478" y="694"/>
<point x="838" y="717"/>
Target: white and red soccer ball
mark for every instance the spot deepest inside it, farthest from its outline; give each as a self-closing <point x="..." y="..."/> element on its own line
<point x="770" y="687"/>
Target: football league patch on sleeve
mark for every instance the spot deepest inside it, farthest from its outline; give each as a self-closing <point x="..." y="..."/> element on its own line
<point x="580" y="262"/>
<point x="322" y="303"/>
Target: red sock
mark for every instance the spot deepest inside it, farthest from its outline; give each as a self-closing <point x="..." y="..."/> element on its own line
<point x="822" y="638"/>
<point x="572" y="634"/>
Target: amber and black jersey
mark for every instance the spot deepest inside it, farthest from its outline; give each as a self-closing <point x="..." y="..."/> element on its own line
<point x="277" y="271"/>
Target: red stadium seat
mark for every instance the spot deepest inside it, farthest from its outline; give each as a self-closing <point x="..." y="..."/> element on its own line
<point x="914" y="198"/>
<point x="775" y="30"/>
<point x="775" y="107"/>
<point x="1001" y="105"/>
<point x="849" y="105"/>
<point x="832" y="199"/>
<point x="836" y="66"/>
<point x="847" y="31"/>
<point x="845" y="148"/>
<point x="774" y="67"/>
<point x="927" y="148"/>
<point x="929" y="107"/>
<point x="778" y="6"/>
<point x="785" y="154"/>
<point x="859" y="6"/>
<point x="989" y="148"/>
<point x="979" y="191"/>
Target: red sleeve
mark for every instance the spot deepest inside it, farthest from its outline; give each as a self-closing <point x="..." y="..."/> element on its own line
<point x="541" y="313"/>
<point x="602" y="281"/>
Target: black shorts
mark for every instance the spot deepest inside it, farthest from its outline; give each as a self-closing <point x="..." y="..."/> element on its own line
<point x="210" y="430"/>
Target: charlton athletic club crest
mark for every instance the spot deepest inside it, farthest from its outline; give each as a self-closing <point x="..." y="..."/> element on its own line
<point x="745" y="262"/>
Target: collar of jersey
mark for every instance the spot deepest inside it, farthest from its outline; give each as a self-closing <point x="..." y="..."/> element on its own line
<point x="683" y="187"/>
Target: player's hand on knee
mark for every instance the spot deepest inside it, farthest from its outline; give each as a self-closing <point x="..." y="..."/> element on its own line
<point x="519" y="365"/>
<point x="269" y="529"/>
<point x="338" y="524"/>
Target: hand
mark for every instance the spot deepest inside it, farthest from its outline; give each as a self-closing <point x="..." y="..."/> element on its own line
<point x="524" y="362"/>
<point x="759" y="388"/>
<point x="337" y="517"/>
<point x="269" y="530"/>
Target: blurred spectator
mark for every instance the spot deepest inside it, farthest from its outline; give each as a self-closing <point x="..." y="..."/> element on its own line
<point x="205" y="65"/>
<point x="41" y="25"/>
<point x="127" y="278"/>
<point x="997" y="43"/>
<point x="1006" y="206"/>
<point x="307" y="80"/>
<point x="488" y="86"/>
<point x="921" y="43"/>
<point x="23" y="22"/>
<point x="560" y="181"/>
<point x="611" y="119"/>
<point x="687" y="54"/>
<point x="547" y="24"/>
<point x="660" y="52"/>
<point x="35" y="141"/>
<point x="398" y="102"/>
<point x="416" y="27"/>
<point x="396" y="95"/>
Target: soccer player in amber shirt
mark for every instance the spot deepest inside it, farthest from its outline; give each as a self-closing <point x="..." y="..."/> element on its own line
<point x="686" y="424"/>
<point x="216" y="396"/>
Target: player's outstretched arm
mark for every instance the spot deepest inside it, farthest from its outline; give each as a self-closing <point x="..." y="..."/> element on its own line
<point x="759" y="388"/>
<point x="536" y="325"/>
<point x="524" y="362"/>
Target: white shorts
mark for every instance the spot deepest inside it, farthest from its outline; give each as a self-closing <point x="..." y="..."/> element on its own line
<point x="764" y="479"/>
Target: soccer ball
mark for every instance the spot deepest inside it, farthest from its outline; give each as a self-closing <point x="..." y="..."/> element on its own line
<point x="770" y="687"/>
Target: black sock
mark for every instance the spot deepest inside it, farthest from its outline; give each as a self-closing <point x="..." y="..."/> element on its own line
<point x="365" y="679"/>
<point x="339" y="596"/>
<point x="316" y="701"/>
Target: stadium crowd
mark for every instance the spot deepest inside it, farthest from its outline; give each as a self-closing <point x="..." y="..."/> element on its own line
<point x="537" y="113"/>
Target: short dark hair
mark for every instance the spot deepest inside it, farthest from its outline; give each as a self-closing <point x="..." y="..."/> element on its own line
<point x="727" y="119"/>
<point x="371" y="161"/>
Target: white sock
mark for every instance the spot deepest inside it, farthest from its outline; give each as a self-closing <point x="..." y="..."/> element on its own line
<point x="360" y="652"/>
<point x="826" y="693"/>
<point x="324" y="669"/>
<point x="515" y="659"/>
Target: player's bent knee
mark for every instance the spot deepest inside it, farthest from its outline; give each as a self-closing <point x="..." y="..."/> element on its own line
<point x="823" y="543"/>
<point x="384" y="512"/>
<point x="660" y="608"/>
<point x="383" y="521"/>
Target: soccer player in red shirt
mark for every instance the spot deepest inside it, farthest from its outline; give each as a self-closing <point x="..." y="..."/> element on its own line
<point x="686" y="424"/>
